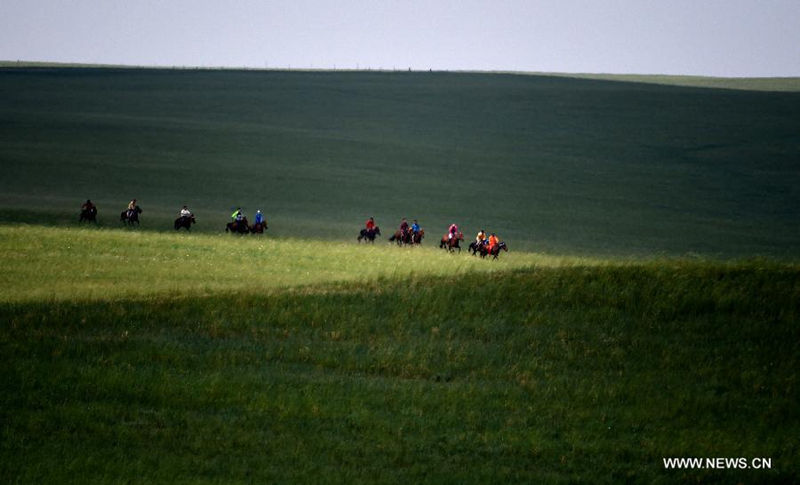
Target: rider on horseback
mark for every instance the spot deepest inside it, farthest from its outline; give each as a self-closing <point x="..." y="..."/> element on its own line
<point x="452" y="231"/>
<point x="131" y="208"/>
<point x="493" y="241"/>
<point x="88" y="211"/>
<point x="480" y="238"/>
<point x="238" y="218"/>
<point x="370" y="225"/>
<point x="259" y="217"/>
<point x="404" y="229"/>
<point x="415" y="227"/>
<point x="185" y="213"/>
<point x="237" y="214"/>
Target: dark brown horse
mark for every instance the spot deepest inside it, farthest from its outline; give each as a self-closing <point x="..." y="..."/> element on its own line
<point x="494" y="251"/>
<point x="368" y="235"/>
<point x="474" y="246"/>
<point x="89" y="215"/>
<point x="131" y="217"/>
<point x="416" y="238"/>
<point x="185" y="222"/>
<point x="401" y="237"/>
<point x="238" y="227"/>
<point x="451" y="244"/>
<point x="258" y="227"/>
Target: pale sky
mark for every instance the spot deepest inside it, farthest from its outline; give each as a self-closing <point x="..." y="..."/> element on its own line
<point x="728" y="38"/>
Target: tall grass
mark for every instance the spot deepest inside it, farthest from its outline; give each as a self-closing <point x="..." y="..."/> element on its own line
<point x="559" y="372"/>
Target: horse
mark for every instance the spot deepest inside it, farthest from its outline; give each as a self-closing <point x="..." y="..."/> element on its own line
<point x="258" y="227"/>
<point x="89" y="215"/>
<point x="369" y="235"/>
<point x="240" y="227"/>
<point x="185" y="222"/>
<point x="495" y="251"/>
<point x="451" y="244"/>
<point x="475" y="247"/>
<point x="130" y="216"/>
<point x="401" y="237"/>
<point x="416" y="237"/>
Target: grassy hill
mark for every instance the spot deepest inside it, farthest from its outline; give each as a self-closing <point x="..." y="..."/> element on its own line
<point x="153" y="358"/>
<point x="565" y="166"/>
<point x="773" y="84"/>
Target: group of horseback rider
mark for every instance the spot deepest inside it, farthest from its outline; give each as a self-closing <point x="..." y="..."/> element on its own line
<point x="238" y="216"/>
<point x="129" y="215"/>
<point x="490" y="242"/>
<point x="240" y="225"/>
<point x="185" y="217"/>
<point x="481" y="239"/>
<point x="407" y="233"/>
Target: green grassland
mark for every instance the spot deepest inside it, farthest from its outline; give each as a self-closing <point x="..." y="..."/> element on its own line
<point x="556" y="165"/>
<point x="648" y="307"/>
<point x="60" y="264"/>
<point x="774" y="84"/>
<point x="143" y="357"/>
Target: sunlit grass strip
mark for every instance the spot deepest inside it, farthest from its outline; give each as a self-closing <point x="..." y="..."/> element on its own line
<point x="57" y="264"/>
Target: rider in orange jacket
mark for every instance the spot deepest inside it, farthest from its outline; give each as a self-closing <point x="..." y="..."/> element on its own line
<point x="493" y="241"/>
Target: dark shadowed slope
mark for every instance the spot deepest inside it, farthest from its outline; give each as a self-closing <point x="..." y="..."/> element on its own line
<point x="553" y="164"/>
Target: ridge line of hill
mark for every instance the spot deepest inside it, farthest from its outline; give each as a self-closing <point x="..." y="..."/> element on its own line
<point x="756" y="83"/>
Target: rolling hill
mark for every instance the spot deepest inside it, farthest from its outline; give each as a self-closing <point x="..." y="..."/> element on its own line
<point x="553" y="164"/>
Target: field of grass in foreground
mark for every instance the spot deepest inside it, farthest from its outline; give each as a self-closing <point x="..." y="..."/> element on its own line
<point x="543" y="373"/>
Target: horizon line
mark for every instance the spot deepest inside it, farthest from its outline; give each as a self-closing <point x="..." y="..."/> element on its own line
<point x="4" y="63"/>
